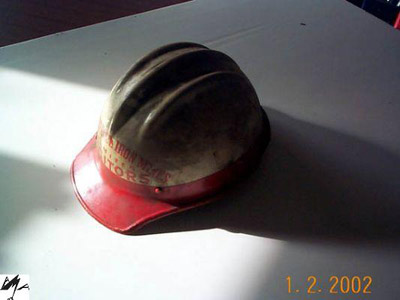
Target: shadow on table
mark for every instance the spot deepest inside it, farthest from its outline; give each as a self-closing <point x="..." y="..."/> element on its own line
<point x="27" y="189"/>
<point x="313" y="183"/>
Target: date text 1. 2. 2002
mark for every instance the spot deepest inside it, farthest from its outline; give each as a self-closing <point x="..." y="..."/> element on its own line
<point x="334" y="285"/>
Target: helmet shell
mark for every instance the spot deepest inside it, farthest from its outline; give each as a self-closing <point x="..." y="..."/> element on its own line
<point x="181" y="113"/>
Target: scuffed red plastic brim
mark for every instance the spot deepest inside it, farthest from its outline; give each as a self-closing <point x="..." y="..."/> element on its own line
<point x="115" y="208"/>
<point x="115" y="205"/>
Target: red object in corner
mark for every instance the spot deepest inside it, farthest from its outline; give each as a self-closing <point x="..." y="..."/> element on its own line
<point x="397" y="23"/>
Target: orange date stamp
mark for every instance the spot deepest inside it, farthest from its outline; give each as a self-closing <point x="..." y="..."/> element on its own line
<point x="334" y="285"/>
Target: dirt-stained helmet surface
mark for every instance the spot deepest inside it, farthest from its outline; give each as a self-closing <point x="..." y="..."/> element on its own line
<point x="180" y="125"/>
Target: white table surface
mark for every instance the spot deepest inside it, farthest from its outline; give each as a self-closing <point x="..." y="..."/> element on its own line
<point x="325" y="201"/>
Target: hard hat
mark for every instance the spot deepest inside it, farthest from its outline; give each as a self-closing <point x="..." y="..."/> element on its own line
<point x="180" y="125"/>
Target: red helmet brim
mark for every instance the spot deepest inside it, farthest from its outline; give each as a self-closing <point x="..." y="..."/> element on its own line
<point x="117" y="209"/>
<point x="109" y="201"/>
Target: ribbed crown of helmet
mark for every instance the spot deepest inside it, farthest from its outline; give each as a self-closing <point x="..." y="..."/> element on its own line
<point x="179" y="114"/>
